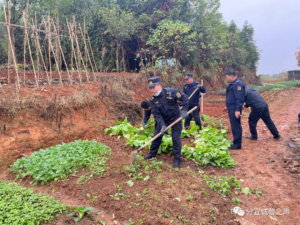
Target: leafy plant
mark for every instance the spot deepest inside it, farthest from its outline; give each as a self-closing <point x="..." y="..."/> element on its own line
<point x="210" y="148"/>
<point x="19" y="205"/>
<point x="56" y="162"/>
<point x="178" y="199"/>
<point x="121" y="128"/>
<point x="130" y="183"/>
<point x="82" y="212"/>
<point x="222" y="185"/>
<point x="190" y="197"/>
<point x="236" y="201"/>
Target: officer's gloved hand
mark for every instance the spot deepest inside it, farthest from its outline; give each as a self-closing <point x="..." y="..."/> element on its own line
<point x="144" y="125"/>
<point x="163" y="129"/>
<point x="183" y="114"/>
<point x="199" y="86"/>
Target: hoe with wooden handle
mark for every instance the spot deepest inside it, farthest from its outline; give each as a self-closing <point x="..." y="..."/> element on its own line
<point x="191" y="96"/>
<point x="134" y="153"/>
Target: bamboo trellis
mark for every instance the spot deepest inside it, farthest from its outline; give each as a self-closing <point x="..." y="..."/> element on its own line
<point x="53" y="53"/>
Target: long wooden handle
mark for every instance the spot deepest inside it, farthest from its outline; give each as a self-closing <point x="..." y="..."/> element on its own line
<point x="193" y="93"/>
<point x="190" y="96"/>
<point x="216" y="119"/>
<point x="168" y="127"/>
<point x="202" y="100"/>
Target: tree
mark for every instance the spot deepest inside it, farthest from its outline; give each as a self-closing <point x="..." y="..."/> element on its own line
<point x="120" y="25"/>
<point x="173" y="39"/>
<point x="297" y="54"/>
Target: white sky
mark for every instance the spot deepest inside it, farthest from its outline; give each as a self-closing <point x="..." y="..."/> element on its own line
<point x="277" y="29"/>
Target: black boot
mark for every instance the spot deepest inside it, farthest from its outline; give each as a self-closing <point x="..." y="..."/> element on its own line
<point x="277" y="136"/>
<point x="176" y="163"/>
<point x="251" y="138"/>
<point x="149" y="156"/>
<point x="233" y="147"/>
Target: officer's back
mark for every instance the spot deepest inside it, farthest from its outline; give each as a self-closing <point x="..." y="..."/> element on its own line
<point x="253" y="99"/>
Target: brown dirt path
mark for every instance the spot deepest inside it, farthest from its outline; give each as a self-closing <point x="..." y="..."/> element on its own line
<point x="260" y="164"/>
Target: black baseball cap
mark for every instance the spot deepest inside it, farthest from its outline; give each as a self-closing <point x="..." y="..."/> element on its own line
<point x="153" y="81"/>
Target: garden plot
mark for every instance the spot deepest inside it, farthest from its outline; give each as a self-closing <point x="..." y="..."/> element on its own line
<point x="149" y="192"/>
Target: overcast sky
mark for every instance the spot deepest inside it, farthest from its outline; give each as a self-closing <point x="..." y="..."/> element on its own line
<point x="277" y="29"/>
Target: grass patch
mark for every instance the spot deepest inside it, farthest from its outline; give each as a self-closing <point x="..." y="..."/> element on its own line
<point x="19" y="205"/>
<point x="56" y="162"/>
<point x="278" y="86"/>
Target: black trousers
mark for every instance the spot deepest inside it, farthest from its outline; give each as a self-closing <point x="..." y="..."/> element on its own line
<point x="236" y="127"/>
<point x="194" y="114"/>
<point x="261" y="112"/>
<point x="176" y="132"/>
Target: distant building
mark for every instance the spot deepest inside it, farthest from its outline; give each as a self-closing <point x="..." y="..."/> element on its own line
<point x="294" y="75"/>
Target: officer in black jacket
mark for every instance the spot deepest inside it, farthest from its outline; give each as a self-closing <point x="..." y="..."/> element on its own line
<point x="165" y="109"/>
<point x="259" y="110"/>
<point x="235" y="96"/>
<point x="147" y="112"/>
<point x="188" y="89"/>
<point x="146" y="105"/>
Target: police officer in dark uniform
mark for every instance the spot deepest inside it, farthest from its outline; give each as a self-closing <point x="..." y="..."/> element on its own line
<point x="259" y="110"/>
<point x="146" y="105"/>
<point x="235" y="96"/>
<point x="188" y="89"/>
<point x="147" y="112"/>
<point x="165" y="109"/>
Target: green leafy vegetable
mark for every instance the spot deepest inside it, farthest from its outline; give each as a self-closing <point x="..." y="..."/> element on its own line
<point x="19" y="205"/>
<point x="55" y="163"/>
<point x="210" y="148"/>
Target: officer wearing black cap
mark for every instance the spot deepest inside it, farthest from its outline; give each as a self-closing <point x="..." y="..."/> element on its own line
<point x="259" y="110"/>
<point x="235" y="97"/>
<point x="188" y="89"/>
<point x="165" y="109"/>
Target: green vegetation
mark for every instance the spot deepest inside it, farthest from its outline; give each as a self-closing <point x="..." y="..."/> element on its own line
<point x="121" y="32"/>
<point x="19" y="205"/>
<point x="210" y="148"/>
<point x="278" y="86"/>
<point x="210" y="145"/>
<point x="223" y="185"/>
<point x="55" y="163"/>
<point x="82" y="212"/>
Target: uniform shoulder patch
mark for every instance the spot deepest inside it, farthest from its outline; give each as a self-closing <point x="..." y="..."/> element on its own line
<point x="239" y="88"/>
<point x="178" y="95"/>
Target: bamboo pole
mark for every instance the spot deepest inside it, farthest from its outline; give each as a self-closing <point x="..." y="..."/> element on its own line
<point x="10" y="42"/>
<point x="87" y="53"/>
<point x="83" y="36"/>
<point x="36" y="79"/>
<point x="54" y="56"/>
<point x="43" y="61"/>
<point x="41" y="31"/>
<point x="63" y="56"/>
<point x="77" y="48"/>
<point x="92" y="52"/>
<point x="8" y="55"/>
<point x="49" y="48"/>
<point x="80" y="55"/>
<point x="70" y="29"/>
<point x="25" y="36"/>
<point x="37" y="54"/>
